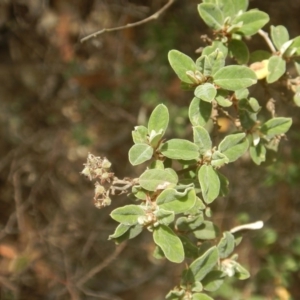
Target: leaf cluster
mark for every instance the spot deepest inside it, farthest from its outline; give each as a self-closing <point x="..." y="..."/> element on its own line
<point x="173" y="203"/>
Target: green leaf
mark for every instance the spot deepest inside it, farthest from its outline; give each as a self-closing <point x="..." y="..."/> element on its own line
<point x="180" y="149"/>
<point x="239" y="50"/>
<point x="226" y="245"/>
<point x="201" y="296"/>
<point x="158" y="253"/>
<point x="159" y="119"/>
<point x="164" y="216"/>
<point x="206" y="92"/>
<point x="276" y="68"/>
<point x="253" y="20"/>
<point x="128" y="214"/>
<point x="286" y="50"/>
<point x="240" y="272"/>
<point x="120" y="230"/>
<point x="126" y="232"/>
<point x="213" y="280"/>
<point x="258" y="153"/>
<point x="175" y="201"/>
<point x="224" y="184"/>
<point x="155" y="179"/>
<point x="234" y="146"/>
<point x="196" y="209"/>
<point x="209" y="182"/>
<point x="207" y="231"/>
<point x="240" y="94"/>
<point x="234" y="78"/>
<point x="248" y="120"/>
<point x="169" y="243"/>
<point x="279" y="35"/>
<point x="248" y="109"/>
<point x="185" y="224"/>
<point x="155" y="138"/>
<point x="199" y="112"/>
<point x="215" y="46"/>
<point x="157" y="164"/>
<point x="218" y="159"/>
<point x="190" y="249"/>
<point x="175" y="295"/>
<point x="293" y="48"/>
<point x="222" y="98"/>
<point x="297" y="67"/>
<point x="209" y="64"/>
<point x="139" y="192"/>
<point x="276" y="126"/>
<point x="211" y="15"/>
<point x="140" y="153"/>
<point x="202" y="266"/>
<point x="232" y="7"/>
<point x="181" y="63"/>
<point x="259" y="55"/>
<point x="296" y="97"/>
<point x="202" y="139"/>
<point x="139" y="135"/>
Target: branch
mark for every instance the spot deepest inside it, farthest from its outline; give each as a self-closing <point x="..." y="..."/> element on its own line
<point x="130" y="25"/>
<point x="101" y="266"/>
<point x="265" y="36"/>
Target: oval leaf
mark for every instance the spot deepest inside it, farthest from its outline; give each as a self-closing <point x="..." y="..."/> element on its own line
<point x="126" y="232"/>
<point x="181" y="63"/>
<point x="139" y="134"/>
<point x="234" y="78"/>
<point x="202" y="139"/>
<point x="219" y="159"/>
<point x="206" y="92"/>
<point x="232" y="7"/>
<point x="140" y="153"/>
<point x="213" y="280"/>
<point x="169" y="243"/>
<point x="279" y="35"/>
<point x="276" y="126"/>
<point x="128" y="214"/>
<point x="177" y="202"/>
<point x="234" y="146"/>
<point x="209" y="182"/>
<point x="180" y="149"/>
<point x="258" y="153"/>
<point x="164" y="216"/>
<point x="159" y="119"/>
<point x="276" y="68"/>
<point x="239" y="50"/>
<point x="199" y="112"/>
<point x="201" y="296"/>
<point x="203" y="265"/>
<point x="253" y="20"/>
<point x="207" y="231"/>
<point x="226" y="245"/>
<point x="211" y="15"/>
<point x="154" y="179"/>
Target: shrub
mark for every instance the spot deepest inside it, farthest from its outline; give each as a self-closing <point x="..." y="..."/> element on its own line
<point x="183" y="178"/>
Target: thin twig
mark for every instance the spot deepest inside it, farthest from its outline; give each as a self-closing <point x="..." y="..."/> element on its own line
<point x="18" y="200"/>
<point x="101" y="266"/>
<point x="265" y="36"/>
<point x="130" y="25"/>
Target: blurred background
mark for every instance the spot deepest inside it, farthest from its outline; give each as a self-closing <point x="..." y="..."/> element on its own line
<point x="61" y="99"/>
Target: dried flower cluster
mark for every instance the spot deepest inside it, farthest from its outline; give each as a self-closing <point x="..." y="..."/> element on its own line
<point x="99" y="168"/>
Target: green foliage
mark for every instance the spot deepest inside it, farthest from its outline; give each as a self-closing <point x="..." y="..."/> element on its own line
<point x="168" y="195"/>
